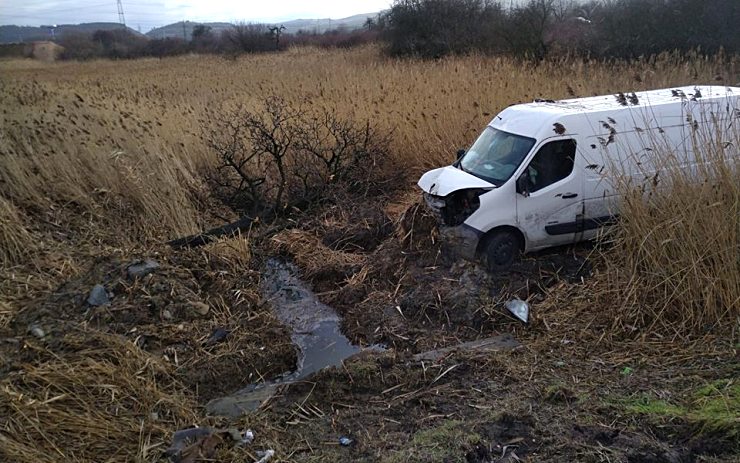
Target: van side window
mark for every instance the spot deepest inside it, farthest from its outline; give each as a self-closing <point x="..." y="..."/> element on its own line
<point x="552" y="163"/>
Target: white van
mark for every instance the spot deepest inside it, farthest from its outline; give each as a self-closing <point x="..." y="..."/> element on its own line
<point x="539" y="174"/>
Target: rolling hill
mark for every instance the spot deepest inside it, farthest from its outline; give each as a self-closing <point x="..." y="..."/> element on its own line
<point x="185" y="29"/>
<point x="15" y="34"/>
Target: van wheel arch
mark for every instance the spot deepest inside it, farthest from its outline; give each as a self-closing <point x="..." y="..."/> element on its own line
<point x="499" y="242"/>
<point x="487" y="236"/>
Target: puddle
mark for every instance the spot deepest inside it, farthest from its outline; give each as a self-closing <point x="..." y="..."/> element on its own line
<point x="315" y="333"/>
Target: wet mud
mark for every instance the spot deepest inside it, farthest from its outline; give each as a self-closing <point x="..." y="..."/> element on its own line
<point x="315" y="333"/>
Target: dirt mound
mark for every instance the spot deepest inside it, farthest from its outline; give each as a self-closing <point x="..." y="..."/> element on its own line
<point x="198" y="310"/>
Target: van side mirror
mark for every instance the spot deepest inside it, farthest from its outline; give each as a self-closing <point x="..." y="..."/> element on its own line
<point x="460" y="154"/>
<point x="522" y="184"/>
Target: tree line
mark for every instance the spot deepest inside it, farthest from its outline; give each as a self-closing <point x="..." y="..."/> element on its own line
<point x="239" y="38"/>
<point x="537" y="29"/>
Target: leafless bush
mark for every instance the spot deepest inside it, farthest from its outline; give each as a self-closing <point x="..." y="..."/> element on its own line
<point x="434" y="28"/>
<point x="250" y="38"/>
<point x="286" y="154"/>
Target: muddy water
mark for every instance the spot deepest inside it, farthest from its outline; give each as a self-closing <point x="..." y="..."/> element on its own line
<point x="315" y="333"/>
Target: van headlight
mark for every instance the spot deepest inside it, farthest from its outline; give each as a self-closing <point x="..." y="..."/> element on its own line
<point x="460" y="205"/>
<point x="455" y="208"/>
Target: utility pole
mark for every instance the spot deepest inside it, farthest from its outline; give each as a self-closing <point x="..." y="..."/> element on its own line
<point x="184" y="33"/>
<point x="121" y="18"/>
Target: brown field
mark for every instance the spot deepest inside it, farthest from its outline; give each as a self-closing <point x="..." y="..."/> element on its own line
<point x="102" y="162"/>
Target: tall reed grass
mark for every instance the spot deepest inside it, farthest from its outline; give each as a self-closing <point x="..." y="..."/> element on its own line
<point x="676" y="255"/>
<point x="117" y="146"/>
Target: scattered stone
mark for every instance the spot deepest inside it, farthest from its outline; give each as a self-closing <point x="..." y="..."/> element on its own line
<point x="166" y="314"/>
<point x="98" y="296"/>
<point x="265" y="456"/>
<point x="37" y="331"/>
<point x="243" y="402"/>
<point x="218" y="335"/>
<point x="201" y="307"/>
<point x="241" y="438"/>
<point x="141" y="268"/>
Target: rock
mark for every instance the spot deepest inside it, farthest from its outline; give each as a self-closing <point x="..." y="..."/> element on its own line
<point x="37" y="331"/>
<point x="141" y="268"/>
<point x="166" y="314"/>
<point x="265" y="456"/>
<point x="240" y="438"/>
<point x="218" y="335"/>
<point x="98" y="296"/>
<point x="244" y="401"/>
<point x="200" y="307"/>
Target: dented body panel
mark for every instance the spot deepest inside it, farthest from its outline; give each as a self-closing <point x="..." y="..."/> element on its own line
<point x="608" y="135"/>
<point x="445" y="180"/>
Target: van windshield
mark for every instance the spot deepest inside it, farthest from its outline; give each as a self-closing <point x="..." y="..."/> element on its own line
<point x="495" y="155"/>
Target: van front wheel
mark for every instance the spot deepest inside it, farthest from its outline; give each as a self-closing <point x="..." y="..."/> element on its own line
<point x="501" y="251"/>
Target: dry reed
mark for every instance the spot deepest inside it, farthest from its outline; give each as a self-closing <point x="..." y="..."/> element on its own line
<point x="104" y="399"/>
<point x="118" y="143"/>
<point x="676" y="256"/>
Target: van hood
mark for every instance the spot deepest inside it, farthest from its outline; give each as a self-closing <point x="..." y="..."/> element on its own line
<point x="446" y="180"/>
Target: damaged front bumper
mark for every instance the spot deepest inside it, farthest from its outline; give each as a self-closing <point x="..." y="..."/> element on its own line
<point x="461" y="239"/>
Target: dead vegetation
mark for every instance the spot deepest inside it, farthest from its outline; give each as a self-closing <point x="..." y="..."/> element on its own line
<point x="101" y="396"/>
<point x="676" y="258"/>
<point x="101" y="162"/>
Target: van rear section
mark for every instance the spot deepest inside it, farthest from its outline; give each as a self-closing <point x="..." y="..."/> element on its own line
<point x="543" y="174"/>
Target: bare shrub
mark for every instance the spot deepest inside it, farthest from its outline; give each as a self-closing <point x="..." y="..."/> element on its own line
<point x="249" y="38"/>
<point x="434" y="28"/>
<point x="526" y="30"/>
<point x="80" y="46"/>
<point x="285" y="154"/>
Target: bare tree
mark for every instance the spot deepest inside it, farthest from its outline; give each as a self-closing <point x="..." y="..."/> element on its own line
<point x="285" y="153"/>
<point x="276" y="33"/>
<point x="249" y="38"/>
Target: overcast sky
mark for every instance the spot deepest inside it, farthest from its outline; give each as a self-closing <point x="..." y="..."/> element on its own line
<point x="149" y="14"/>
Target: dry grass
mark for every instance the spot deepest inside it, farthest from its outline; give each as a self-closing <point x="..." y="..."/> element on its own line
<point x="313" y="257"/>
<point x="104" y="400"/>
<point x="676" y="261"/>
<point x="109" y="154"/>
<point x="118" y="143"/>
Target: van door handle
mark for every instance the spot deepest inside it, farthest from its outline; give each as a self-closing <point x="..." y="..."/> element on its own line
<point x="570" y="195"/>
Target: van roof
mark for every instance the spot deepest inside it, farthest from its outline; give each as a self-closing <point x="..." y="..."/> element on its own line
<point x="539" y="115"/>
<point x="622" y="100"/>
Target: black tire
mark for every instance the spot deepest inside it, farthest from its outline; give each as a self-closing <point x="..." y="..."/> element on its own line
<point x="501" y="251"/>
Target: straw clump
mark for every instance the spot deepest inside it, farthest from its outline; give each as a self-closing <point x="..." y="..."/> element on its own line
<point x="103" y="399"/>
